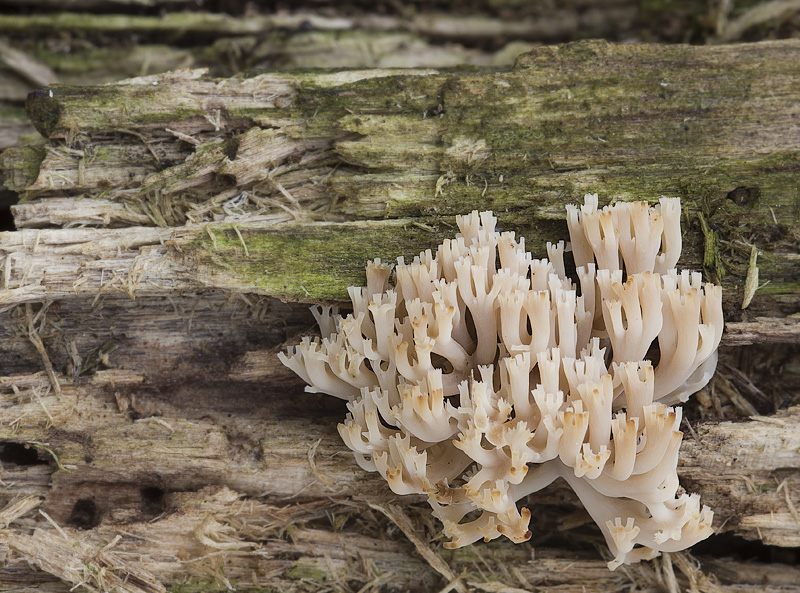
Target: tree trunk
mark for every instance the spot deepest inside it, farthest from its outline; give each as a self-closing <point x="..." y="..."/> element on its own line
<point x="171" y="227"/>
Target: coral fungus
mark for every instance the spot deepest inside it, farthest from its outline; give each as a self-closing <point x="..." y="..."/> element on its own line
<point x="479" y="375"/>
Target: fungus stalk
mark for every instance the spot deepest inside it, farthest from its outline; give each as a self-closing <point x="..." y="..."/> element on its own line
<point x="479" y="375"/>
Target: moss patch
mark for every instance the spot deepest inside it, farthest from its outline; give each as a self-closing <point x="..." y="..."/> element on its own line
<point x="304" y="262"/>
<point x="22" y="164"/>
<point x="307" y="570"/>
<point x="43" y="110"/>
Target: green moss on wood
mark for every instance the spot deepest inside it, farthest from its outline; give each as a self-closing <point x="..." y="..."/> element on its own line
<point x="313" y="262"/>
<point x="43" y="110"/>
<point x="307" y="570"/>
<point x="321" y="106"/>
<point x="317" y="262"/>
<point x="627" y="122"/>
<point x="22" y="164"/>
<point x="53" y="109"/>
<point x="210" y="586"/>
<point x="305" y="262"/>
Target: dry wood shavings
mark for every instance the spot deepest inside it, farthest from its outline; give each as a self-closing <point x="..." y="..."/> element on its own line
<point x="324" y="478"/>
<point x="397" y="516"/>
<point x="36" y="340"/>
<point x="211" y="235"/>
<point x="784" y="485"/>
<point x="68" y="556"/>
<point x="18" y="508"/>
<point x="219" y="536"/>
<point x="751" y="281"/>
<point x="185" y="137"/>
<point x="241" y="240"/>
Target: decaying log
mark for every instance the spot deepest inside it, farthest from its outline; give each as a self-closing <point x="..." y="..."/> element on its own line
<point x="91" y="49"/>
<point x="93" y="42"/>
<point x="183" y="440"/>
<point x="268" y="450"/>
<point x="49" y="264"/>
<point x="150" y="440"/>
<point x="246" y="548"/>
<point x="222" y="540"/>
<point x="712" y="125"/>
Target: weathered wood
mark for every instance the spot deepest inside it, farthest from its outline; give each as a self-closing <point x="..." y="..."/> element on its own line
<point x="183" y="440"/>
<point x="626" y="121"/>
<point x="110" y="42"/>
<point x="297" y="261"/>
<point x="556" y="123"/>
<point x="262" y="446"/>
<point x="39" y="49"/>
<point x="223" y="541"/>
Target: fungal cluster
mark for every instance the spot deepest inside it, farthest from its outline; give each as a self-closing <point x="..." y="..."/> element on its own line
<point x="478" y="375"/>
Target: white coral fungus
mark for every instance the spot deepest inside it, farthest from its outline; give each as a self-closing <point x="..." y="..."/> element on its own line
<point x="483" y="375"/>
